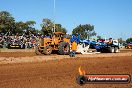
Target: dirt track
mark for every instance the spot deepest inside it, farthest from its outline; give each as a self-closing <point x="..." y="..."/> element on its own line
<point x="63" y="73"/>
<point x="30" y="53"/>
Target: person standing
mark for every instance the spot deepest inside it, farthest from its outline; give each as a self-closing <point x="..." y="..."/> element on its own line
<point x="110" y="42"/>
<point x="74" y="49"/>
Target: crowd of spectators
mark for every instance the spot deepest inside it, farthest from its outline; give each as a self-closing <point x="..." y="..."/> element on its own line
<point x="25" y="41"/>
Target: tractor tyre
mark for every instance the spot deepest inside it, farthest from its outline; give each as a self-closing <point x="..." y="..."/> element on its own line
<point x="116" y="50"/>
<point x="37" y="51"/>
<point x="111" y="49"/>
<point x="98" y="50"/>
<point x="64" y="48"/>
<point x="47" y="50"/>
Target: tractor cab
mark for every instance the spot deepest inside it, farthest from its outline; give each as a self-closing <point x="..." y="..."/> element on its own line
<point x="58" y="36"/>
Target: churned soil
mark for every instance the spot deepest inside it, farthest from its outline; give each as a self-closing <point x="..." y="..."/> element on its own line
<point x="61" y="72"/>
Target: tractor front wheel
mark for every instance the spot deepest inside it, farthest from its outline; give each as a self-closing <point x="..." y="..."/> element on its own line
<point x="47" y="50"/>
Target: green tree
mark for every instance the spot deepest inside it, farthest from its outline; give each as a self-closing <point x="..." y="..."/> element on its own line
<point x="47" y="27"/>
<point x="36" y="31"/>
<point x="9" y="26"/>
<point x="129" y="40"/>
<point x="59" y="28"/>
<point x="121" y="41"/>
<point x="7" y="22"/>
<point x="29" y="27"/>
<point x="30" y="23"/>
<point x="22" y="27"/>
<point x="86" y="31"/>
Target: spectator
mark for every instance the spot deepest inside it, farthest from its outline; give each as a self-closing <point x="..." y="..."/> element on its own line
<point x="1" y="42"/>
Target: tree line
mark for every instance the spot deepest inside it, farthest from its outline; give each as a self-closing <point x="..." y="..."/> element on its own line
<point x="8" y="26"/>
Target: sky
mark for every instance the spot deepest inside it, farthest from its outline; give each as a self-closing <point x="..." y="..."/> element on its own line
<point x="111" y="18"/>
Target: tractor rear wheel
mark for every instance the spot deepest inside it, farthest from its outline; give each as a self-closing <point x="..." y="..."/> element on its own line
<point x="37" y="51"/>
<point x="64" y="48"/>
<point x="47" y="50"/>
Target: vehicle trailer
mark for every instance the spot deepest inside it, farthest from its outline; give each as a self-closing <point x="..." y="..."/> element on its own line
<point x="107" y="48"/>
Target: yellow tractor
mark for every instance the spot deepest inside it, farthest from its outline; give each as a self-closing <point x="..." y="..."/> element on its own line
<point x="58" y="42"/>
